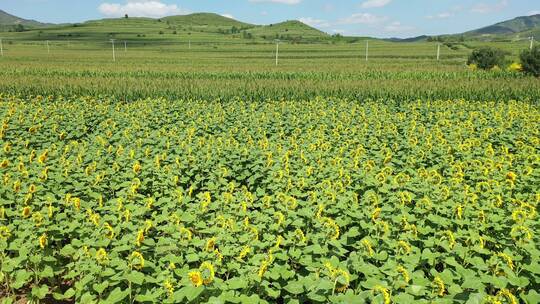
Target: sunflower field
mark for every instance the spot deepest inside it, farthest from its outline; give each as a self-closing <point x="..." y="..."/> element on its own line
<point x="324" y="200"/>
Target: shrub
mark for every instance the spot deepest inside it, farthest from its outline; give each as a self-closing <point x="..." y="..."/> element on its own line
<point x="486" y="58"/>
<point x="515" y="67"/>
<point x="530" y="61"/>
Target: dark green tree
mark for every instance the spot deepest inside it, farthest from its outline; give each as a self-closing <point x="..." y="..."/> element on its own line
<point x="487" y="57"/>
<point x="19" y="28"/>
<point x="530" y="61"/>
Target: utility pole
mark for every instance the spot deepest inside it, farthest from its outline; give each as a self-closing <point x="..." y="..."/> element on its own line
<point x="113" y="54"/>
<point x="1" y="48"/>
<point x="438" y="51"/>
<point x="125" y="46"/>
<point x="367" y="50"/>
<point x="277" y="52"/>
<point x="190" y="44"/>
<point x="532" y="42"/>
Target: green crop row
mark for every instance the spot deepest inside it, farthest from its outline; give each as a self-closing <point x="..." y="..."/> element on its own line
<point x="132" y="88"/>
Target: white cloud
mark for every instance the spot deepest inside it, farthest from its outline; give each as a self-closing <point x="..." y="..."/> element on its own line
<point x="314" y="22"/>
<point x="375" y="3"/>
<point x="533" y="13"/>
<point x="483" y="8"/>
<point x="141" y="8"/>
<point x="288" y="2"/>
<point x="363" y="18"/>
<point x="228" y="16"/>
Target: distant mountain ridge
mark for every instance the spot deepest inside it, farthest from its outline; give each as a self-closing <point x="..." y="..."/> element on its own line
<point x="8" y="20"/>
<point x="411" y="39"/>
<point x="509" y="27"/>
<point x="518" y="28"/>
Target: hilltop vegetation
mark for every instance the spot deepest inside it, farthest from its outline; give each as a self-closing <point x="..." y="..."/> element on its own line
<point x="288" y="30"/>
<point x="205" y="20"/>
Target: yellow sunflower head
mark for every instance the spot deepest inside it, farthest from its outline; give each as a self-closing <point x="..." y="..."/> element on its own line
<point x="5" y="233"/>
<point x="43" y="241"/>
<point x="196" y="278"/>
<point x="26" y="212"/>
<point x="140" y="238"/>
<point x="137" y="260"/>
<point x="511" y="176"/>
<point x="101" y="256"/>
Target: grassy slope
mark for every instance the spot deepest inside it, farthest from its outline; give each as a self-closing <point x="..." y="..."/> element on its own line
<point x="206" y="20"/>
<point x="201" y="27"/>
<point x="288" y="29"/>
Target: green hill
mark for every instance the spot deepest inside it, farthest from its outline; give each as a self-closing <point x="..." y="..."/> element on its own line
<point x="518" y="28"/>
<point x="9" y="22"/>
<point x="288" y="30"/>
<point x="207" y="27"/>
<point x="509" y="27"/>
<point x="193" y="24"/>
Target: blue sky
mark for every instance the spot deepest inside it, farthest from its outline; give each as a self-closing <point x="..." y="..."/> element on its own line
<point x="379" y="18"/>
